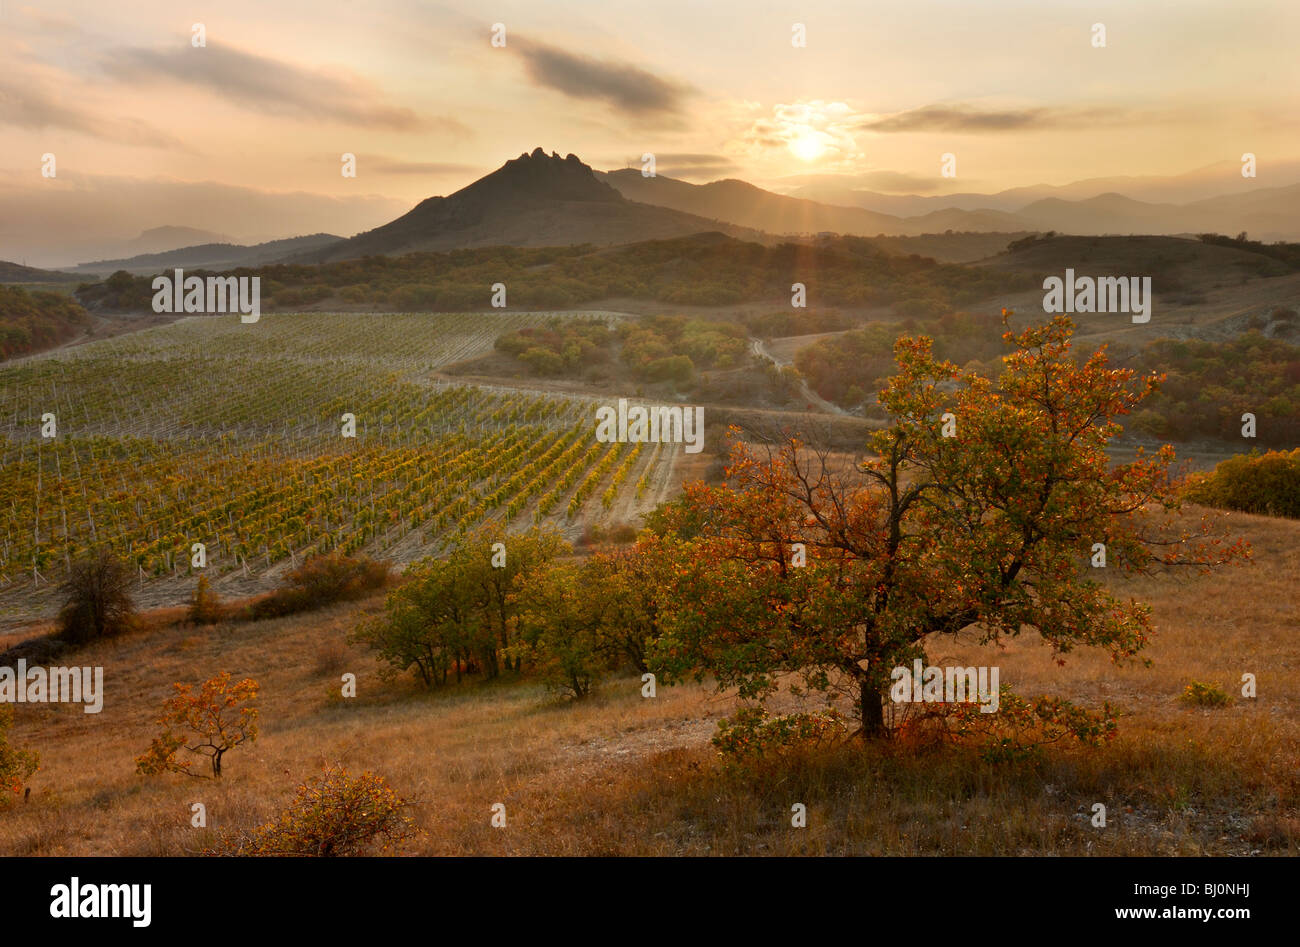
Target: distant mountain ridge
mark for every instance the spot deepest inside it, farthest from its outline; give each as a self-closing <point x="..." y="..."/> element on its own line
<point x="1266" y="213"/>
<point x="1223" y="178"/>
<point x="212" y="255"/>
<point x="168" y="237"/>
<point x="742" y="203"/>
<point x="538" y="199"/>
<point x="533" y="200"/>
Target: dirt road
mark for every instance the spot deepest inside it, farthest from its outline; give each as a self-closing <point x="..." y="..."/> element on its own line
<point x="756" y="346"/>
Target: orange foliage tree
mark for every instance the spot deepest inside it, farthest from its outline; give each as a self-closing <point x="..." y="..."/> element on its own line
<point x="989" y="529"/>
<point x="210" y="723"/>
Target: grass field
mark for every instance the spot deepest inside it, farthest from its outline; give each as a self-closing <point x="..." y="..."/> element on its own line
<point x="620" y="774"/>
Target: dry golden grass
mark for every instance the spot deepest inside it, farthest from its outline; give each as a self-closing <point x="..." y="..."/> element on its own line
<point x="623" y="775"/>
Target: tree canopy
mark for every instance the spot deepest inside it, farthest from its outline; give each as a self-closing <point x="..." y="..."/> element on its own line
<point x="977" y="512"/>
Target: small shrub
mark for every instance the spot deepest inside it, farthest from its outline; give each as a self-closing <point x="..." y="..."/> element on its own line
<point x="1201" y="694"/>
<point x="206" y="607"/>
<point x="1275" y="831"/>
<point x="617" y="533"/>
<point x="751" y="733"/>
<point x="320" y="581"/>
<point x="1018" y="731"/>
<point x="1267" y="484"/>
<point x="332" y="814"/>
<point x="16" y="764"/>
<point x="98" y="599"/>
<point x="331" y="658"/>
<point x="621" y="533"/>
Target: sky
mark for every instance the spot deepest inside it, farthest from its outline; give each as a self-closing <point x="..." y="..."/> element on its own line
<point x="235" y="135"/>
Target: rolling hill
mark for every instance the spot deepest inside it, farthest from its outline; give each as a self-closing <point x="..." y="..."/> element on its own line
<point x="17" y="273"/>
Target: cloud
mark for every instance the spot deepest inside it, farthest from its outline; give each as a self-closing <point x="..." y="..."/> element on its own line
<point x="382" y="164"/>
<point x="621" y="85"/>
<point x="78" y="217"/>
<point x="674" y="165"/>
<point x="27" y="102"/>
<point x="270" y="85"/>
<point x="962" y="118"/>
<point x="710" y="172"/>
<point x="812" y="129"/>
<point x="882" y="180"/>
<point x="693" y="160"/>
<point x="50" y="22"/>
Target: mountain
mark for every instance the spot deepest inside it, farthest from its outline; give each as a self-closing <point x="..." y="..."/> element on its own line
<point x="1105" y="213"/>
<point x="160" y="239"/>
<point x="212" y="256"/>
<point x="750" y="206"/>
<point x="1212" y="181"/>
<point x="984" y="220"/>
<point x="1266" y="213"/>
<point x="827" y="189"/>
<point x="534" y="200"/>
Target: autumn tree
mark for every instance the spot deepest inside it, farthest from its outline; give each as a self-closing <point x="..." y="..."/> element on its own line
<point x="977" y="512"/>
<point x="562" y="619"/>
<point x="98" y="599"/>
<point x="209" y="723"/>
<point x="459" y="613"/>
<point x="428" y="624"/>
<point x="631" y="581"/>
<point x="493" y="572"/>
<point x="580" y="619"/>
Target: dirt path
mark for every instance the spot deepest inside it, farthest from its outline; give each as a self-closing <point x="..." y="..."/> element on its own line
<point x="759" y="349"/>
<point x="642" y="743"/>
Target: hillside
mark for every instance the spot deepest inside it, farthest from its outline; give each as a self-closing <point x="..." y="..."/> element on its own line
<point x="706" y="269"/>
<point x="170" y="237"/>
<point x="30" y="322"/>
<point x="535" y="200"/>
<point x="211" y="255"/>
<point x="1200" y="290"/>
<point x="623" y="775"/>
<point x="17" y="273"/>
<point x="1190" y="262"/>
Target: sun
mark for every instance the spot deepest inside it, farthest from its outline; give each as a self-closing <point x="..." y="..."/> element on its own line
<point x="808" y="146"/>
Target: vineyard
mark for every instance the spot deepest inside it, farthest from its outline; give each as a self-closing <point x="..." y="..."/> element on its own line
<point x="272" y="441"/>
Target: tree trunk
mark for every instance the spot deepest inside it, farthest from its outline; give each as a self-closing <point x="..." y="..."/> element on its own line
<point x="872" y="710"/>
